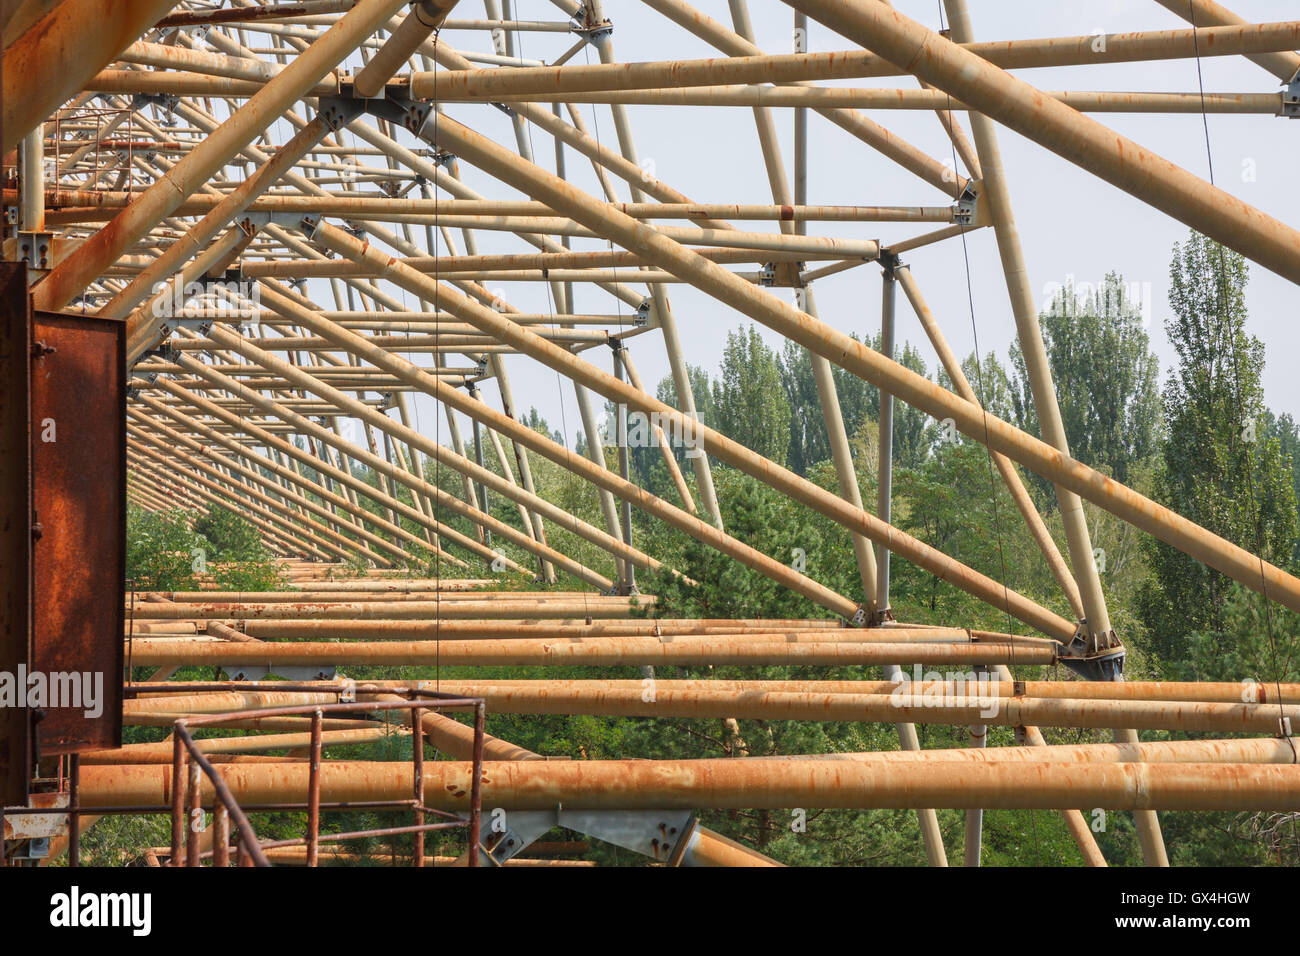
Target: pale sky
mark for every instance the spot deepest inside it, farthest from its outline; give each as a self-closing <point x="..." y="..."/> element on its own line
<point x="1071" y="223"/>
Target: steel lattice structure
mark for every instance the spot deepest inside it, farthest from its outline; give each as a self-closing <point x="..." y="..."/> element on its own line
<point x="271" y="197"/>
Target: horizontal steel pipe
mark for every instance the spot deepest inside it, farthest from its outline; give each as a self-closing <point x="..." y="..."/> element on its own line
<point x="904" y="704"/>
<point x="606" y="651"/>
<point x="739" y="784"/>
<point x="1249" y="692"/>
<point x="444" y="629"/>
<point x="596" y="606"/>
<point x="1085" y="101"/>
<point x="544" y="82"/>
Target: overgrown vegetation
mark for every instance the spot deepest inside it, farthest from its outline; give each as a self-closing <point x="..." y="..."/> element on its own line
<point x="182" y="551"/>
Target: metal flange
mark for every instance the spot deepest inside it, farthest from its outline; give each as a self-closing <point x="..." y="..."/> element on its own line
<point x="36" y="249"/>
<point x="661" y="835"/>
<point x="1093" y="656"/>
<point x="965" y="211"/>
<point x="286" y="671"/>
<point x="1291" y="98"/>
<point x="338" y="111"/>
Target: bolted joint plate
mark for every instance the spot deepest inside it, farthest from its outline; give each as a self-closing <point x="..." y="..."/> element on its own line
<point x="965" y="210"/>
<point x="338" y="111"/>
<point x="658" y="834"/>
<point x="36" y="249"/>
<point x="1097" y="657"/>
<point x="1291" y="98"/>
<point x="288" y="672"/>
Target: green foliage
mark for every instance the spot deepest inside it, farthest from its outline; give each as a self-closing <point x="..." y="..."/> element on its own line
<point x="914" y="431"/>
<point x="237" y="558"/>
<point x="991" y="383"/>
<point x="230" y="537"/>
<point x="956" y="502"/>
<point x="161" y="550"/>
<point x="749" y="404"/>
<point x="700" y="390"/>
<point x="807" y="427"/>
<point x="178" y="550"/>
<point x="722" y="587"/>
<point x="1105" y="375"/>
<point x="1258" y="643"/>
<point x="1219" y="464"/>
<point x="1283" y="428"/>
<point x="539" y="424"/>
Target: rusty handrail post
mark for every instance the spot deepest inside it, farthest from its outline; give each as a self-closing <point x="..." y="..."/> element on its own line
<point x="248" y="849"/>
<point x="194" y="823"/>
<point x="313" y="790"/>
<point x="248" y="838"/>
<point x="220" y="833"/>
<point x="476" y="784"/>
<point x="178" y="804"/>
<point x="417" y="778"/>
<point x="74" y="806"/>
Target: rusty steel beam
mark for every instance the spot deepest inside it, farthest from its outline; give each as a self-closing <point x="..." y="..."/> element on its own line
<point x="542" y="83"/>
<point x="743" y="784"/>
<point x="1209" y="18"/>
<point x="55" y="56"/>
<point x="425" y="17"/>
<point x="604" y="652"/>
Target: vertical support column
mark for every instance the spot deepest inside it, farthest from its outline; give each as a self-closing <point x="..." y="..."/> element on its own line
<point x="458" y="446"/>
<point x="15" y="528"/>
<point x="884" y="491"/>
<point x="313" y="787"/>
<point x="907" y="736"/>
<point x="562" y="291"/>
<point x="624" y="466"/>
<point x="417" y="779"/>
<point x="979" y="735"/>
<point x="521" y="458"/>
<point x="179" y="756"/>
<point x="665" y="446"/>
<point x="478" y="458"/>
<point x="837" y="438"/>
<point x="800" y="128"/>
<point x="525" y="519"/>
<point x="32" y="181"/>
<point x="834" y="420"/>
<point x="823" y="375"/>
<point x="384" y="485"/>
<point x="686" y="403"/>
<point x="596" y="452"/>
<point x="997" y="197"/>
<point x="421" y="502"/>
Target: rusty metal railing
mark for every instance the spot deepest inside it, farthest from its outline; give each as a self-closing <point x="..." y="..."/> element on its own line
<point x="190" y="764"/>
